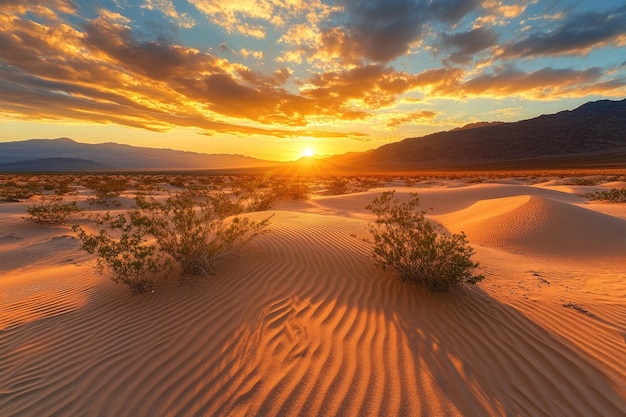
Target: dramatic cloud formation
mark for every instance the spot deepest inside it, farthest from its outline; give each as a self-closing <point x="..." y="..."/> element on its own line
<point x="577" y="34"/>
<point x="298" y="69"/>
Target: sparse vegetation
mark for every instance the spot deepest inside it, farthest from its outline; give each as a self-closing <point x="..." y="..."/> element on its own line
<point x="347" y="185"/>
<point x="122" y="247"/>
<point x="50" y="209"/>
<point x="194" y="233"/>
<point x="290" y="189"/>
<point x="199" y="234"/>
<point x="106" y="188"/>
<point x="614" y="195"/>
<point x="406" y="241"/>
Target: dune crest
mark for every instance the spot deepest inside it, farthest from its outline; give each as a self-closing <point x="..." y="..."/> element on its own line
<point x="538" y="225"/>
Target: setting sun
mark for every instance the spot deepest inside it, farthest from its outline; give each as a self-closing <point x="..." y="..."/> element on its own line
<point x="308" y="152"/>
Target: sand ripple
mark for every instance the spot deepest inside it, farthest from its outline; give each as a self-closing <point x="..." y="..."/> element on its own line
<point x="306" y="325"/>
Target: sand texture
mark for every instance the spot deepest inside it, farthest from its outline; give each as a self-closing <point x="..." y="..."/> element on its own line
<point x="305" y="324"/>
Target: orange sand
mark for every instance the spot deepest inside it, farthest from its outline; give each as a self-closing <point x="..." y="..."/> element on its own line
<point x="305" y="324"/>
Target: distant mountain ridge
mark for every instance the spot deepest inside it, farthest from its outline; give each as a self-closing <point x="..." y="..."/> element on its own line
<point x="596" y="128"/>
<point x="53" y="165"/>
<point x="50" y="155"/>
<point x="590" y="136"/>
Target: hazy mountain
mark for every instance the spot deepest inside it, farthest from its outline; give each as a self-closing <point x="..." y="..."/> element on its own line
<point x="596" y="129"/>
<point x="53" y="165"/>
<point x="111" y="156"/>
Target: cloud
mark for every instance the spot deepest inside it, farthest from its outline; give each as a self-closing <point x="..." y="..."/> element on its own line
<point x="46" y="8"/>
<point x="382" y="30"/>
<point x="157" y="59"/>
<point x="168" y="9"/>
<point x="577" y="34"/>
<point x="508" y="11"/>
<point x="252" y="17"/>
<point x="353" y="93"/>
<point x="413" y="117"/>
<point x="467" y="44"/>
<point x="546" y="83"/>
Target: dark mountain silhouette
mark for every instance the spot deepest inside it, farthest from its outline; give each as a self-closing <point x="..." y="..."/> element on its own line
<point x="562" y="140"/>
<point x="52" y="153"/>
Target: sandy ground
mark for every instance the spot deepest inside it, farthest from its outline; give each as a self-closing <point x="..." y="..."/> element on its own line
<point x="305" y="324"/>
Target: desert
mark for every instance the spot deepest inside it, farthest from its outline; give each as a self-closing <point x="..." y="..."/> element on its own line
<point x="304" y="323"/>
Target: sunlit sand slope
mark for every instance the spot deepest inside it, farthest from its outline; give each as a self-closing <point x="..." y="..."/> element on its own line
<point x="531" y="224"/>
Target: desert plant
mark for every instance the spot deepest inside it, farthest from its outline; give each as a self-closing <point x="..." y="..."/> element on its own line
<point x="290" y="189"/>
<point x="406" y="241"/>
<point x="105" y="188"/>
<point x="52" y="210"/>
<point x="199" y="234"/>
<point x="123" y="248"/>
<point x="338" y="186"/>
<point x="614" y="195"/>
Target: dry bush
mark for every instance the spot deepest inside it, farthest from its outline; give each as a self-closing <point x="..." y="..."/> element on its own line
<point x="50" y="209"/>
<point x="415" y="248"/>
<point x="196" y="234"/>
<point x="199" y="234"/>
<point x="289" y="188"/>
<point x="106" y="187"/>
<point x="122" y="247"/>
<point x="614" y="195"/>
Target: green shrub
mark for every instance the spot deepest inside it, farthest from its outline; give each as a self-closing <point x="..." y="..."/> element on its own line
<point x="123" y="248"/>
<point x="404" y="240"/>
<point x="52" y="210"/>
<point x="199" y="234"/>
<point x="196" y="234"/>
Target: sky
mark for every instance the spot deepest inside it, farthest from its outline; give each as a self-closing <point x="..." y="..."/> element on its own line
<point x="278" y="79"/>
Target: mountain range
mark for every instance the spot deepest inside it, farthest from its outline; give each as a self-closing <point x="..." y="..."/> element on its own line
<point x="590" y="136"/>
<point x="67" y="155"/>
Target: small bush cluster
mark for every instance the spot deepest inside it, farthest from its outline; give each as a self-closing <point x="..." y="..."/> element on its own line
<point x="105" y="188"/>
<point x="406" y="241"/>
<point x="197" y="235"/>
<point x="122" y="247"/>
<point x="349" y="185"/>
<point x="290" y="189"/>
<point x="194" y="233"/>
<point x="614" y="195"/>
<point x="52" y="210"/>
<point x="582" y="181"/>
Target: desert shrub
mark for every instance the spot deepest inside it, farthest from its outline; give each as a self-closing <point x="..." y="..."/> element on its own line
<point x="338" y="186"/>
<point x="123" y="248"/>
<point x="406" y="241"/>
<point x="106" y="187"/>
<point x="615" y="195"/>
<point x="348" y="185"/>
<point x="11" y="191"/>
<point x="290" y="189"/>
<point x="199" y="234"/>
<point x="50" y="209"/>
<point x="259" y="200"/>
<point x="409" y="181"/>
<point x="196" y="234"/>
<point x="582" y="181"/>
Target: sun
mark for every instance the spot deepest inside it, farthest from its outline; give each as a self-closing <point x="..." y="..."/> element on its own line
<point x="308" y="152"/>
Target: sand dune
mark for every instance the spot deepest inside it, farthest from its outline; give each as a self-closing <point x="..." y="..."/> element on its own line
<point x="541" y="226"/>
<point x="305" y="324"/>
